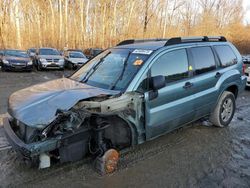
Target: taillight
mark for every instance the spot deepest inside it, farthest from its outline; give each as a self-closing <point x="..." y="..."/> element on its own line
<point x="243" y="69"/>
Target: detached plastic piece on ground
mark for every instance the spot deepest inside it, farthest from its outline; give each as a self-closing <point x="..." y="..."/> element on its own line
<point x="108" y="162"/>
<point x="44" y="161"/>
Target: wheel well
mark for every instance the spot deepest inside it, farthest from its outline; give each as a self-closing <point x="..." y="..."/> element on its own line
<point x="118" y="132"/>
<point x="233" y="89"/>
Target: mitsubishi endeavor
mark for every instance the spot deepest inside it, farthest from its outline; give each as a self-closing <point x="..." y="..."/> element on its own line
<point x="126" y="95"/>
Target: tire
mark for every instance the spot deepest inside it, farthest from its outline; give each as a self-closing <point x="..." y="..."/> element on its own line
<point x="70" y="66"/>
<point x="224" y="110"/>
<point x="38" y="67"/>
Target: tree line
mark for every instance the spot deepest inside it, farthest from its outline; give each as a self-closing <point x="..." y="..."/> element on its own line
<point x="103" y="23"/>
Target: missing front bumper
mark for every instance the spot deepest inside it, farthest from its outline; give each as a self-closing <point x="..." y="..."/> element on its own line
<point x="72" y="146"/>
<point x="28" y="150"/>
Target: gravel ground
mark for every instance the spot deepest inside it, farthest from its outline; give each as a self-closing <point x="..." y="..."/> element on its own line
<point x="195" y="156"/>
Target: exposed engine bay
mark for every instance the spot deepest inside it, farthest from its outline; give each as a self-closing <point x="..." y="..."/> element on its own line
<point x="91" y="127"/>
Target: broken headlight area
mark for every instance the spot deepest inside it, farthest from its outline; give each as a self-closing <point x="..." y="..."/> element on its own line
<point x="26" y="133"/>
<point x="65" y="121"/>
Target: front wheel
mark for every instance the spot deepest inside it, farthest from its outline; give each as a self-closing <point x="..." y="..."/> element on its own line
<point x="224" y="110"/>
<point x="39" y="67"/>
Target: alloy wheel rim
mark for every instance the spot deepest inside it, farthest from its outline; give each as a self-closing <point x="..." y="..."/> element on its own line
<point x="227" y="110"/>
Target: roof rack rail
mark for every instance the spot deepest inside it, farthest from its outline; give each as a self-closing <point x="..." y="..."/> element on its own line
<point x="179" y="40"/>
<point x="133" y="41"/>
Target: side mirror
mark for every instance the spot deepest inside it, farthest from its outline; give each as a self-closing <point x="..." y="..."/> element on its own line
<point x="157" y="82"/>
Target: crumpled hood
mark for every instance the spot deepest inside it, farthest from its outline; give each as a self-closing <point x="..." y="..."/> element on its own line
<point x="36" y="106"/>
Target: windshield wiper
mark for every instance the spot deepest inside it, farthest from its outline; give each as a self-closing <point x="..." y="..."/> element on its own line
<point x="112" y="86"/>
<point x="93" y="68"/>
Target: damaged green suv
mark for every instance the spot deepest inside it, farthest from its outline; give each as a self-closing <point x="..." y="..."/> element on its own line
<point x="126" y="95"/>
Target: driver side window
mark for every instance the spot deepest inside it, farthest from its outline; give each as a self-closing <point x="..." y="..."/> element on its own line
<point x="173" y="65"/>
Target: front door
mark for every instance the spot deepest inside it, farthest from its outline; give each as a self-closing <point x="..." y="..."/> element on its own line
<point x="174" y="105"/>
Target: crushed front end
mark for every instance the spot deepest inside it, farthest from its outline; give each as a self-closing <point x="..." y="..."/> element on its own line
<point x="58" y="141"/>
<point x="91" y="127"/>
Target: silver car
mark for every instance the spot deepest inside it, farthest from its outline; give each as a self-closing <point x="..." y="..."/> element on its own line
<point x="74" y="59"/>
<point x="48" y="58"/>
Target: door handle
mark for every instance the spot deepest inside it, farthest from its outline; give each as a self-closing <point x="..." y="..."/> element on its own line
<point x="217" y="75"/>
<point x="188" y="85"/>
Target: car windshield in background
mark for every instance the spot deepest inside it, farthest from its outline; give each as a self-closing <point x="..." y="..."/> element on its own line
<point x="48" y="52"/>
<point x="76" y="55"/>
<point x="16" y="53"/>
<point x="113" y="69"/>
<point x="33" y="50"/>
<point x="96" y="52"/>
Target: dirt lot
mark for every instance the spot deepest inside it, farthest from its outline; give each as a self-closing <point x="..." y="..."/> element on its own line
<point x="196" y="156"/>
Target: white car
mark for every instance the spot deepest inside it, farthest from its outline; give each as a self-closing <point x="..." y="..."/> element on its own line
<point x="248" y="76"/>
<point x="74" y="59"/>
<point x="246" y="61"/>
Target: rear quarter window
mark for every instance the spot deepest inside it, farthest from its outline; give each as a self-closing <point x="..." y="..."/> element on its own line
<point x="226" y="55"/>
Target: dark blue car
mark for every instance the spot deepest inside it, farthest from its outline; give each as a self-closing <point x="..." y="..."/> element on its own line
<point x="15" y="60"/>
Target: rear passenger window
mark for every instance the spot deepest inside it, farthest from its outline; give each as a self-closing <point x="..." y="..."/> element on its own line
<point x="173" y="65"/>
<point x="226" y="55"/>
<point x="203" y="58"/>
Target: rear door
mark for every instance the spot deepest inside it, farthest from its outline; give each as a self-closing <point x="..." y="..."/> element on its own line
<point x="206" y="76"/>
<point x="174" y="104"/>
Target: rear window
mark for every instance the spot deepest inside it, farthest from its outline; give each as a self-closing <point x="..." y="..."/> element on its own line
<point x="226" y="55"/>
<point x="203" y="58"/>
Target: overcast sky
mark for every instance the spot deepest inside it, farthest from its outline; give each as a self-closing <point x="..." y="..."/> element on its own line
<point x="246" y="5"/>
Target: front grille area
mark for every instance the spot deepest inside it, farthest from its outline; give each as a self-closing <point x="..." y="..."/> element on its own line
<point x="52" y="60"/>
<point x="18" y="61"/>
<point x="53" y="66"/>
<point x="18" y="65"/>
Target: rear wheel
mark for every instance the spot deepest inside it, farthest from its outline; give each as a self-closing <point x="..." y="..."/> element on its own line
<point x="224" y="110"/>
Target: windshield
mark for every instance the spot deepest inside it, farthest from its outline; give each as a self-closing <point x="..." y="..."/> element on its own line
<point x="112" y="69"/>
<point x="76" y="55"/>
<point x="32" y="50"/>
<point x="16" y="53"/>
<point x="48" y="52"/>
<point x="96" y="51"/>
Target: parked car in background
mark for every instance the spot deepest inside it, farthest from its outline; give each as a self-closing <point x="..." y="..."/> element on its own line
<point x="126" y="95"/>
<point x="48" y="58"/>
<point x="92" y="52"/>
<point x="75" y="59"/>
<point x="1" y="55"/>
<point x="75" y="50"/>
<point x="31" y="52"/>
<point x="15" y="60"/>
<point x="246" y="61"/>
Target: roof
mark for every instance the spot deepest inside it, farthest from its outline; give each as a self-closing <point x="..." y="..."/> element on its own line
<point x="144" y="45"/>
<point x="154" y="44"/>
